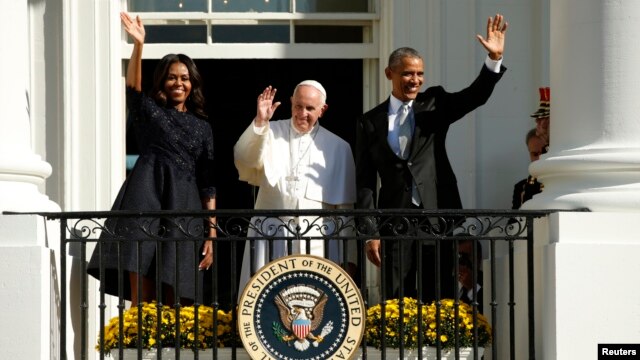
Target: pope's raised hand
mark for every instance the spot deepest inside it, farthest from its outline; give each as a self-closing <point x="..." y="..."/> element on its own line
<point x="265" y="106"/>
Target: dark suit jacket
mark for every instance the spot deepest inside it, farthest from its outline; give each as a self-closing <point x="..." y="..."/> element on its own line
<point x="434" y="110"/>
<point x="524" y="190"/>
<point x="479" y="295"/>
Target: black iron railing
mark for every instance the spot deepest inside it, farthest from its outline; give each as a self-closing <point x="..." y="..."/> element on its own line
<point x="437" y="230"/>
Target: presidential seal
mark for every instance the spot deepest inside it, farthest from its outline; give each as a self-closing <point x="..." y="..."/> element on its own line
<point x="301" y="307"/>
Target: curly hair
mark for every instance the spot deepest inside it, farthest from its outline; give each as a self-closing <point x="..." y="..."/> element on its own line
<point x="195" y="101"/>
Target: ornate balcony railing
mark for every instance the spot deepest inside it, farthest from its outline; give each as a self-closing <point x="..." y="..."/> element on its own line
<point x="497" y="231"/>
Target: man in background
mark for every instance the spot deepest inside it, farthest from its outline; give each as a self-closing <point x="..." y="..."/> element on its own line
<point x="542" y="116"/>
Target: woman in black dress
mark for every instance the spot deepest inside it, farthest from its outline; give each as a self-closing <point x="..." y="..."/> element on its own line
<point x="173" y="172"/>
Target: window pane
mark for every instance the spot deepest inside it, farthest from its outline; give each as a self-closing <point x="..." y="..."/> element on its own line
<point x="250" y="33"/>
<point x="328" y="34"/>
<point x="166" y="5"/>
<point x="180" y="34"/>
<point x="314" y="6"/>
<point x="250" y="5"/>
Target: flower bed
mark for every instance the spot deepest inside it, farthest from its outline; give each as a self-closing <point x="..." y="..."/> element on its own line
<point x="409" y="325"/>
<point x="224" y="334"/>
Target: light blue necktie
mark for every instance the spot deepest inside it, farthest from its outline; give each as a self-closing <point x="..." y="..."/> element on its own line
<point x="404" y="131"/>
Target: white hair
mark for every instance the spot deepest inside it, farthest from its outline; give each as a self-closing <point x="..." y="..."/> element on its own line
<point x="316" y="85"/>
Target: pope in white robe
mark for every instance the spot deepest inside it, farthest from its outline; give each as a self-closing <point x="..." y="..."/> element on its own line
<point x="297" y="164"/>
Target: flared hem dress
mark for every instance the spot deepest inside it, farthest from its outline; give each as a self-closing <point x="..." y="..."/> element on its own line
<point x="174" y="172"/>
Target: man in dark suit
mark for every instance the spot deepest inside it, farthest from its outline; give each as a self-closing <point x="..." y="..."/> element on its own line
<point x="526" y="188"/>
<point x="467" y="288"/>
<point x="403" y="141"/>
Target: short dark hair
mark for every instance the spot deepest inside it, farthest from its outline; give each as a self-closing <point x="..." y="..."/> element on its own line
<point x="400" y="53"/>
<point x="465" y="257"/>
<point x="530" y="134"/>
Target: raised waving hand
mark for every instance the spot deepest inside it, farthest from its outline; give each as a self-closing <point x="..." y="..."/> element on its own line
<point x="494" y="42"/>
<point x="265" y="106"/>
<point x="133" y="27"/>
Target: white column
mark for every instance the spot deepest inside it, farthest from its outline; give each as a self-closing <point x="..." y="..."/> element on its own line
<point x="594" y="158"/>
<point x="21" y="171"/>
<point x="28" y="274"/>
<point x="587" y="262"/>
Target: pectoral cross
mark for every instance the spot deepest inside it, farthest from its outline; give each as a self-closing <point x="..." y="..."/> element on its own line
<point x="291" y="183"/>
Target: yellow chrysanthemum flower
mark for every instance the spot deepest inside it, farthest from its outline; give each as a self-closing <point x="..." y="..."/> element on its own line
<point x="451" y="322"/>
<point x="186" y="317"/>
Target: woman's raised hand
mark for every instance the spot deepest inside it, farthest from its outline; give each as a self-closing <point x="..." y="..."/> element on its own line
<point x="134" y="28"/>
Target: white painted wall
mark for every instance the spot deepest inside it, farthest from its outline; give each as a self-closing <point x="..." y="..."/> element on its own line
<point x="94" y="130"/>
<point x="46" y="102"/>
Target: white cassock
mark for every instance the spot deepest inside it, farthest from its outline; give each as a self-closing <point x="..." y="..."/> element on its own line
<point x="294" y="171"/>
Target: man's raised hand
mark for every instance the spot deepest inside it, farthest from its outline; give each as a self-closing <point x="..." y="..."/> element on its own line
<point x="494" y="42"/>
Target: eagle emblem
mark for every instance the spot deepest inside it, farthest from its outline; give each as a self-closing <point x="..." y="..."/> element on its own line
<point x="301" y="309"/>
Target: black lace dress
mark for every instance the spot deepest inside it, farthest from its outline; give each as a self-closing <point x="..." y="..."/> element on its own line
<point x="174" y="172"/>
